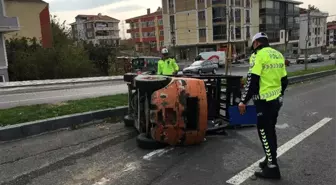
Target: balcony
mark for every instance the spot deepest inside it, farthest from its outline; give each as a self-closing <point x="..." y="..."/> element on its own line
<point x="107" y="37"/>
<point x="106" y="28"/>
<point x="9" y="24"/>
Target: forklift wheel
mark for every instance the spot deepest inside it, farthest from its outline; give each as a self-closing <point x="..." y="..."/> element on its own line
<point x="128" y="121"/>
<point x="151" y="82"/>
<point x="148" y="143"/>
<point x="128" y="77"/>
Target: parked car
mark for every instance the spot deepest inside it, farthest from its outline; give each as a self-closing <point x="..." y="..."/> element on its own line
<point x="201" y="67"/>
<point x="218" y="57"/>
<point x="301" y="59"/>
<point x="320" y="58"/>
<point x="314" y="58"/>
<point x="332" y="56"/>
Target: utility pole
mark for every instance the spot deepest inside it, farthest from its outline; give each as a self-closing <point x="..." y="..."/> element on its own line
<point x="229" y="53"/>
<point x="307" y="40"/>
<point x="172" y="31"/>
<point x="286" y="19"/>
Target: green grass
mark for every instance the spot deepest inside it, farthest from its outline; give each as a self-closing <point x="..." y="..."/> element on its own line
<point x="308" y="71"/>
<point x="37" y="112"/>
<point x="311" y="70"/>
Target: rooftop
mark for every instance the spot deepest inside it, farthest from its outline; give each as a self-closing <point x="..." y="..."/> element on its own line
<point x="291" y="1"/>
<point x="97" y="17"/>
<point x="157" y="12"/>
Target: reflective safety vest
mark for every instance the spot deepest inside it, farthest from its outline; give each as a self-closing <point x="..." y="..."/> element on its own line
<point x="167" y="67"/>
<point x="269" y="64"/>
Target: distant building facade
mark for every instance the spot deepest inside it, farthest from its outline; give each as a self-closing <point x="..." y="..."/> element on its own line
<point x="98" y="29"/>
<point x="313" y="33"/>
<point x="331" y="34"/>
<point x="206" y="25"/>
<point x="147" y="31"/>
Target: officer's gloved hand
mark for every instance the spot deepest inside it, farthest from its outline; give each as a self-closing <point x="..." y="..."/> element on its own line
<point x="281" y="101"/>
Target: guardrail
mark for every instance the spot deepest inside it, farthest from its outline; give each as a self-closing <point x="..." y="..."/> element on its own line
<point x="34" y="83"/>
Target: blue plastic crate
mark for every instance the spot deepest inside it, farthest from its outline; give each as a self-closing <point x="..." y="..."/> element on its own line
<point x="249" y="118"/>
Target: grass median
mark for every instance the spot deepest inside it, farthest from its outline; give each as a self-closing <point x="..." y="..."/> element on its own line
<point x="37" y="112"/>
<point x="43" y="111"/>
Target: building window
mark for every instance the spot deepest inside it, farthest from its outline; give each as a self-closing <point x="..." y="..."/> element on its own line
<point x="201" y="15"/>
<point x="232" y="32"/>
<point x="276" y="5"/>
<point x="161" y="43"/>
<point x="160" y="22"/>
<point x="219" y="14"/>
<point x="2" y="78"/>
<point x="238" y="32"/>
<point x="148" y="34"/>
<point x="171" y="4"/>
<point x="88" y="25"/>
<point x="200" y="1"/>
<point x="248" y="32"/>
<point x="161" y="33"/>
<point x="290" y="8"/>
<point x="238" y="3"/>
<point x="282" y="35"/>
<point x="238" y="15"/>
<point x="137" y="35"/>
<point x="232" y="2"/>
<point x="247" y="15"/>
<point x="202" y="33"/>
<point x="90" y="34"/>
<point x="220" y="32"/>
<point x="248" y="3"/>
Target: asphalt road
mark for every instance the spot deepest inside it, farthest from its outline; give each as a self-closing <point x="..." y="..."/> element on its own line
<point x="54" y="96"/>
<point x="307" y="147"/>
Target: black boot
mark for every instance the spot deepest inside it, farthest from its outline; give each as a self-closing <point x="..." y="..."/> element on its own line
<point x="263" y="164"/>
<point x="269" y="172"/>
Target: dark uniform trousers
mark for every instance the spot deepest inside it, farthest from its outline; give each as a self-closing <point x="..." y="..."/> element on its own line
<point x="267" y="113"/>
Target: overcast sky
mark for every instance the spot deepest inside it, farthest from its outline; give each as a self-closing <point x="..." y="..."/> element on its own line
<point x="123" y="9"/>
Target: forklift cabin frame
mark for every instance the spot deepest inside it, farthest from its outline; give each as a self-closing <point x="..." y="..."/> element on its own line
<point x="222" y="92"/>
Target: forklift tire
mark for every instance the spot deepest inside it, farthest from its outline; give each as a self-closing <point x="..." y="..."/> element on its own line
<point x="148" y="143"/>
<point x="128" y="121"/>
<point x="128" y="77"/>
<point x="151" y="83"/>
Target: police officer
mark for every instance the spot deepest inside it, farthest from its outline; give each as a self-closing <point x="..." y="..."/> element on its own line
<point x="167" y="65"/>
<point x="266" y="84"/>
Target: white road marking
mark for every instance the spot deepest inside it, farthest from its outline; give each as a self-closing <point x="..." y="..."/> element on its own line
<point x="248" y="172"/>
<point x="282" y="126"/>
<point x="158" y="152"/>
<point x="102" y="181"/>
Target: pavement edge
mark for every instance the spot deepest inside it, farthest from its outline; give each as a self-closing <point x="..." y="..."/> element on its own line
<point x="12" y="132"/>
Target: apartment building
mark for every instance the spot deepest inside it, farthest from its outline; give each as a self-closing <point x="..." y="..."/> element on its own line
<point x="98" y="29"/>
<point x="280" y="20"/>
<point x="147" y="31"/>
<point x="34" y="18"/>
<point x="331" y="35"/>
<point x="7" y="25"/>
<point x="194" y="26"/>
<point x="313" y="32"/>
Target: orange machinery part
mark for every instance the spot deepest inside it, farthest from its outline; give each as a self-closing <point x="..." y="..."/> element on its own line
<point x="170" y="105"/>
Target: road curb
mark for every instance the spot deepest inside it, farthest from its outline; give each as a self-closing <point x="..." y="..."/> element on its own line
<point x="312" y="76"/>
<point x="37" y="127"/>
<point x="12" y="132"/>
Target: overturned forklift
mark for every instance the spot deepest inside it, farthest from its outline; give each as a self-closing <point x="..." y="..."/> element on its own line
<point x="179" y="110"/>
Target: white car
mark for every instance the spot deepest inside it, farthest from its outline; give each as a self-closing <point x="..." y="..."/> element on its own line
<point x="314" y="58"/>
<point x="332" y="56"/>
<point x="301" y="59"/>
